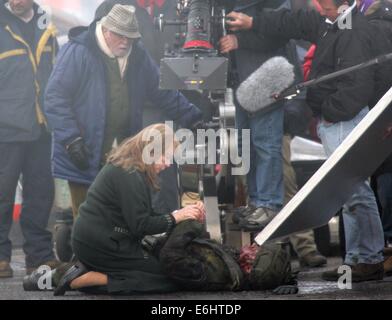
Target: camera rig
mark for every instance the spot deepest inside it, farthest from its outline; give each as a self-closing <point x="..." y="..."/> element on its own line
<point x="194" y="63"/>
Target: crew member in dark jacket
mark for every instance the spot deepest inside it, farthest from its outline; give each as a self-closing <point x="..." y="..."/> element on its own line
<point x="248" y="51"/>
<point x="117" y="214"/>
<point x="379" y="15"/>
<point x="343" y="40"/>
<point x="96" y="94"/>
<point x="27" y="51"/>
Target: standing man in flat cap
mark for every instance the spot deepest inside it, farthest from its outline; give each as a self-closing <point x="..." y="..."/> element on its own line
<point x="96" y="93"/>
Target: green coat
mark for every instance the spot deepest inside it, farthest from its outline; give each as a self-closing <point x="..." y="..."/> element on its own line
<point x="117" y="214"/>
<point x="107" y="234"/>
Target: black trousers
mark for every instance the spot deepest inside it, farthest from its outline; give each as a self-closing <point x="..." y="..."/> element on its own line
<point x="32" y="160"/>
<point x="125" y="276"/>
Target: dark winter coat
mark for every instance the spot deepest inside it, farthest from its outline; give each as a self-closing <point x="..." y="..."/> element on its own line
<point x="379" y="16"/>
<point x="117" y="214"/>
<point x="76" y="100"/>
<point x="107" y="235"/>
<point x="24" y="72"/>
<point x="337" y="48"/>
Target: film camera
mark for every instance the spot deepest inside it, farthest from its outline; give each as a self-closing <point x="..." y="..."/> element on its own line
<point x="194" y="63"/>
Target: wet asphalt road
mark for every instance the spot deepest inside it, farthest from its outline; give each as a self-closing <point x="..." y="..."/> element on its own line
<point x="310" y="287"/>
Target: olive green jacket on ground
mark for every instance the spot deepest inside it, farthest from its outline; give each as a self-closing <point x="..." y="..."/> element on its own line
<point x="117" y="214"/>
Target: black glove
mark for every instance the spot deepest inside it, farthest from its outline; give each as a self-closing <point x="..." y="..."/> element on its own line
<point x="78" y="153"/>
<point x="197" y="125"/>
<point x="154" y="244"/>
<point x="286" y="289"/>
<point x="290" y="286"/>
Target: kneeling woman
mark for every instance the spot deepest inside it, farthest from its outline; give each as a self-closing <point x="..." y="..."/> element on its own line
<point x="115" y="217"/>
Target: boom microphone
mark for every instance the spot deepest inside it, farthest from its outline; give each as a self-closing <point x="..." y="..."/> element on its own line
<point x="259" y="91"/>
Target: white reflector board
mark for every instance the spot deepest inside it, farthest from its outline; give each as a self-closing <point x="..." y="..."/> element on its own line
<point x="364" y="149"/>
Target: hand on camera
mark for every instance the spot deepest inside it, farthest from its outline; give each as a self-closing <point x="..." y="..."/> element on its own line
<point x="238" y="21"/>
<point x="228" y="43"/>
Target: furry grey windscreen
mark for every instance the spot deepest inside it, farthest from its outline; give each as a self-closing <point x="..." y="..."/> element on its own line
<point x="272" y="77"/>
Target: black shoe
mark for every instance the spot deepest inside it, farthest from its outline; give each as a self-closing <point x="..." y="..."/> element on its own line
<point x="258" y="219"/>
<point x="331" y="275"/>
<point x="334" y="275"/>
<point x="30" y="282"/>
<point x="242" y="212"/>
<point x="77" y="270"/>
<point x="53" y="264"/>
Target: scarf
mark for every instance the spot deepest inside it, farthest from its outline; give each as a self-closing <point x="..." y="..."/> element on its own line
<point x="122" y="61"/>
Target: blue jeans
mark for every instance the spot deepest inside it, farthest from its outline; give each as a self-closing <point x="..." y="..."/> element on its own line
<point x="384" y="190"/>
<point x="265" y="177"/>
<point x="362" y="224"/>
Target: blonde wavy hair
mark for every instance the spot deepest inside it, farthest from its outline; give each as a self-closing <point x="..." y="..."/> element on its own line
<point x="129" y="154"/>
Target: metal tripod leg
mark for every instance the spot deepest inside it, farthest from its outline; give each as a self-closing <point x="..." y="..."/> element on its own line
<point x="213" y="221"/>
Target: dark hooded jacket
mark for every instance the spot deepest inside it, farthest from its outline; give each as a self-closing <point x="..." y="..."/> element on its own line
<point x="24" y="72"/>
<point x="76" y="100"/>
<point x="337" y="48"/>
<point x="254" y="49"/>
<point x="379" y="15"/>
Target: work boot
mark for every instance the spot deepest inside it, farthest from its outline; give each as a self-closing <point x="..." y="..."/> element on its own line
<point x="53" y="264"/>
<point x="334" y="275"/>
<point x="366" y="272"/>
<point x="313" y="260"/>
<point x="360" y="272"/>
<point x="387" y="251"/>
<point x="241" y="212"/>
<point x="258" y="219"/>
<point x="5" y="269"/>
<point x="388" y="266"/>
